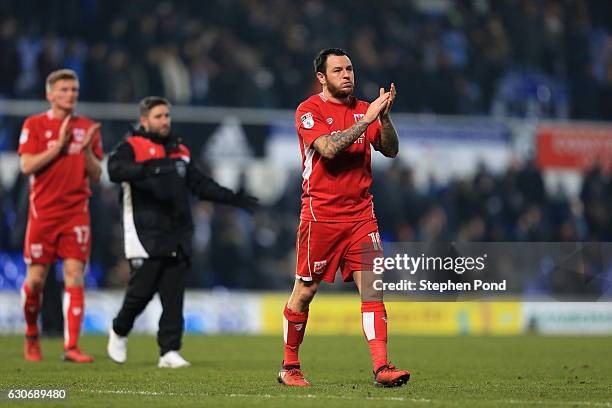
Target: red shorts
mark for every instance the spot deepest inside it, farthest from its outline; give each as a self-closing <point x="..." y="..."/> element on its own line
<point x="324" y="247"/>
<point x="64" y="237"/>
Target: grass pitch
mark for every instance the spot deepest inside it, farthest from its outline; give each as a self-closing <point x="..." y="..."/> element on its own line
<point x="241" y="371"/>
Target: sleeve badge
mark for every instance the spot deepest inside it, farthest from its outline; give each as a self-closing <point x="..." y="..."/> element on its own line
<point x="307" y="120"/>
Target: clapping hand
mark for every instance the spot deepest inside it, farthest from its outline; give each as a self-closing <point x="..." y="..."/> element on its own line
<point x="89" y="135"/>
<point x="392" y="93"/>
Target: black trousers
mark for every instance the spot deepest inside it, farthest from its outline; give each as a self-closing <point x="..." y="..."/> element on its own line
<point x="165" y="276"/>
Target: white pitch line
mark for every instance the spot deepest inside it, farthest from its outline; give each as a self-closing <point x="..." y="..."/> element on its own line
<point x="266" y="396"/>
<point x="572" y="403"/>
<point x="348" y="397"/>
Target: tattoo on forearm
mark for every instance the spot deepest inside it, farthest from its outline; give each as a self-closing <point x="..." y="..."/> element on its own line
<point x="389" y="143"/>
<point x="337" y="142"/>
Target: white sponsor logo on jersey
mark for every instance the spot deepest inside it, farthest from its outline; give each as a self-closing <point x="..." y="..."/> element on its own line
<point x="48" y="134"/>
<point x="329" y="121"/>
<point x="307" y="120"/>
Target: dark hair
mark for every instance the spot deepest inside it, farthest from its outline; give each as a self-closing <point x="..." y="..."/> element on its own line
<point x="320" y="61"/>
<point x="148" y="103"/>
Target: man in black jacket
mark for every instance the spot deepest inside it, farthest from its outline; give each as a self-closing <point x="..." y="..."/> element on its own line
<point x="157" y="175"/>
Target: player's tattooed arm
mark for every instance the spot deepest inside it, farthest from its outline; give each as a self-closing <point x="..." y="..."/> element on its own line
<point x="389" y="142"/>
<point x="329" y="146"/>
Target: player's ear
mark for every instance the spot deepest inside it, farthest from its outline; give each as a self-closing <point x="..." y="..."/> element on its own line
<point x="321" y="78"/>
<point x="143" y="121"/>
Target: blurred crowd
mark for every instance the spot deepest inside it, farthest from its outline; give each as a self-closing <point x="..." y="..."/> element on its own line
<point x="545" y="58"/>
<point x="509" y="57"/>
<point x="237" y="251"/>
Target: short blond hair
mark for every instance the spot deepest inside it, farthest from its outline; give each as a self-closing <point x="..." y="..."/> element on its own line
<point x="60" y="74"/>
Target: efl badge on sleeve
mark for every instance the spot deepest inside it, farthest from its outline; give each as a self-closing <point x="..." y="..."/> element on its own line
<point x="23" y="137"/>
<point x="307" y="120"/>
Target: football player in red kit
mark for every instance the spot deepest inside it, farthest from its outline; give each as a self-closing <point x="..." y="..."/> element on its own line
<point x="338" y="227"/>
<point x="60" y="152"/>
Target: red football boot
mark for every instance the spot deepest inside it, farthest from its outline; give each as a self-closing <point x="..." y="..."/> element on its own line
<point x="31" y="349"/>
<point x="292" y="376"/>
<point x="389" y="376"/>
<point x="75" y="355"/>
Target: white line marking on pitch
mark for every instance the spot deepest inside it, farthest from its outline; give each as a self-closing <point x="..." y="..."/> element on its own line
<point x="267" y="396"/>
<point x="345" y="397"/>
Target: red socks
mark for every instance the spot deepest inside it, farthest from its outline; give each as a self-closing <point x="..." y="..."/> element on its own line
<point x="73" y="312"/>
<point x="73" y="315"/>
<point x="294" y="326"/>
<point x="31" y="300"/>
<point x="374" y="324"/>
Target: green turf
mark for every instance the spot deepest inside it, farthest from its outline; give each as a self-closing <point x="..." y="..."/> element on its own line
<point x="241" y="371"/>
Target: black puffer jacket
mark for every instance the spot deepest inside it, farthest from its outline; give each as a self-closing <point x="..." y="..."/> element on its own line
<point x="157" y="175"/>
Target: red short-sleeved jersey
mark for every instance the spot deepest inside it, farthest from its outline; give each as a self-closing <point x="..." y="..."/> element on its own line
<point x="62" y="187"/>
<point x="335" y="190"/>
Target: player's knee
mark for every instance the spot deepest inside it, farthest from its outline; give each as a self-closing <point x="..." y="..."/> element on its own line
<point x="35" y="283"/>
<point x="73" y="278"/>
<point x="73" y="273"/>
<point x="305" y="300"/>
<point x="36" y="277"/>
<point x="306" y="294"/>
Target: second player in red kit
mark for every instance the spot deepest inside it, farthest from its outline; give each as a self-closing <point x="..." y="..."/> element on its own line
<point x="338" y="229"/>
<point x="60" y="152"/>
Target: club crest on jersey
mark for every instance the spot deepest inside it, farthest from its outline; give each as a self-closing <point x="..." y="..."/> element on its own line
<point x="181" y="168"/>
<point x="36" y="250"/>
<point x="329" y="121"/>
<point x="48" y="134"/>
<point x="358" y="116"/>
<point x="79" y="135"/>
<point x="307" y="120"/>
<point x="319" y="266"/>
